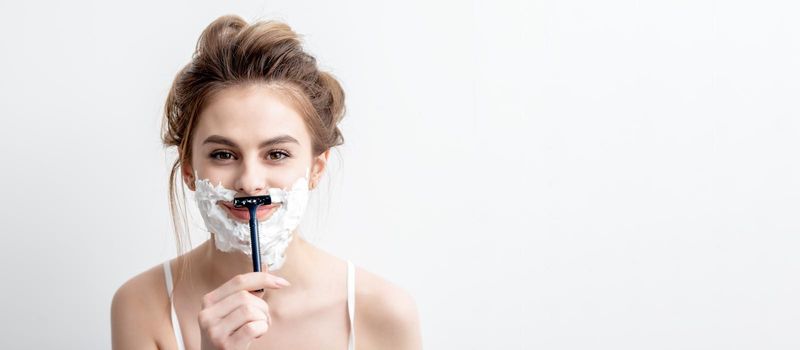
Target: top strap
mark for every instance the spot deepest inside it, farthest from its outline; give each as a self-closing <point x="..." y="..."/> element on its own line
<point x="168" y="278"/>
<point x="351" y="302"/>
<point x="176" y="326"/>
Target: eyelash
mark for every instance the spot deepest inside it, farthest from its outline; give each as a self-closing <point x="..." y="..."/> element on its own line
<point x="284" y="154"/>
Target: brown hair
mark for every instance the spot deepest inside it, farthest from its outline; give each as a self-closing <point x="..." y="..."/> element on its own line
<point x="230" y="52"/>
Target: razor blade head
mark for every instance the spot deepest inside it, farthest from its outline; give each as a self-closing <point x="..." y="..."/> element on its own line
<point x="251" y="201"/>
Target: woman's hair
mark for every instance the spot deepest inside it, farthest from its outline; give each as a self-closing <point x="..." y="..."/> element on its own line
<point x="230" y="52"/>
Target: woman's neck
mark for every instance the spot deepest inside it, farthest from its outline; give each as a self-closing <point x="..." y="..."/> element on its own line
<point x="217" y="267"/>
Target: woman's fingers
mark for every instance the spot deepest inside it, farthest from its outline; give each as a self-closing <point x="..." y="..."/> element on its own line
<point x="247" y="281"/>
<point x="243" y="336"/>
<point x="242" y="316"/>
<point x="232" y="316"/>
<point x="212" y="314"/>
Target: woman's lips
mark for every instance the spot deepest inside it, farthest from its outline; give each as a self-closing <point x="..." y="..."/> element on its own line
<point x="263" y="212"/>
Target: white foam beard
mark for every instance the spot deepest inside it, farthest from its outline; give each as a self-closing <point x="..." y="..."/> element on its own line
<point x="274" y="234"/>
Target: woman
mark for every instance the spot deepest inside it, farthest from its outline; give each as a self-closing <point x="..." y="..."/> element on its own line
<point x="252" y="115"/>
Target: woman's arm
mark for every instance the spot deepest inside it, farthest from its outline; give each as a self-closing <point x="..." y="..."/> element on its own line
<point x="133" y="313"/>
<point x="386" y="316"/>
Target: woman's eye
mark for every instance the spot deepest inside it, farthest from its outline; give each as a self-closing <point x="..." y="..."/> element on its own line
<point x="220" y="155"/>
<point x="277" y="155"/>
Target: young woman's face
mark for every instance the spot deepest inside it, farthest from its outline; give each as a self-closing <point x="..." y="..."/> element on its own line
<point x="250" y="139"/>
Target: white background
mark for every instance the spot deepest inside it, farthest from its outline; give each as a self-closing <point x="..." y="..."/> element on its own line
<point x="538" y="174"/>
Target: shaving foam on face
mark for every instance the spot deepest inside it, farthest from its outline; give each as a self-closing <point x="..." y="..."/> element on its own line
<point x="274" y="234"/>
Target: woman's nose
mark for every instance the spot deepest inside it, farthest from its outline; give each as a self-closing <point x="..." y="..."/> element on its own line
<point x="252" y="180"/>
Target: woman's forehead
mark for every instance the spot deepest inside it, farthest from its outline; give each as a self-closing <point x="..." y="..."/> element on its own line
<point x="249" y="115"/>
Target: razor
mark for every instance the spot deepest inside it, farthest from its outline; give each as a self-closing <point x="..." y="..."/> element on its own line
<point x="252" y="204"/>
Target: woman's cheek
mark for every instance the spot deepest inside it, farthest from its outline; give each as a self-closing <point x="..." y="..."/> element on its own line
<point x="216" y="175"/>
<point x="285" y="179"/>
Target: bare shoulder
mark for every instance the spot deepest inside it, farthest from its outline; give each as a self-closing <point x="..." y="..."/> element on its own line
<point x="138" y="311"/>
<point x="386" y="314"/>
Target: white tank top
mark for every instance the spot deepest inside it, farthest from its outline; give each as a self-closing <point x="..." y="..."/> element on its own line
<point x="351" y="302"/>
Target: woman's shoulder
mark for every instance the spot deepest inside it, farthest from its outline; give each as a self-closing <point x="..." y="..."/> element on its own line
<point x="139" y="309"/>
<point x="386" y="314"/>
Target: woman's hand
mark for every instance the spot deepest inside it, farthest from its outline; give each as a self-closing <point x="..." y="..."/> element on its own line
<point x="232" y="316"/>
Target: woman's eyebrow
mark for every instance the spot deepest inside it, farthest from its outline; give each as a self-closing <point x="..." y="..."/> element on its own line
<point x="220" y="140"/>
<point x="277" y="140"/>
<point x="270" y="142"/>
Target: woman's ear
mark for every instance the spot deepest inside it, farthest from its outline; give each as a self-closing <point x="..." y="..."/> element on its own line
<point x="318" y="166"/>
<point x="187" y="173"/>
